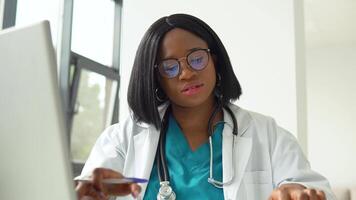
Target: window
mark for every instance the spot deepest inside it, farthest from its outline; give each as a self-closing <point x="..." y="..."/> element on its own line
<point x="90" y="109"/>
<point x="88" y="65"/>
<point x="93" y="29"/>
<point x="92" y="39"/>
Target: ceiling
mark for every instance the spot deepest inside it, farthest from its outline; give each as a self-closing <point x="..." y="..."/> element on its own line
<point x="330" y="23"/>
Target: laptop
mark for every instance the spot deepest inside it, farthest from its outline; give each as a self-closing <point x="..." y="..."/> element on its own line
<point x="33" y="147"/>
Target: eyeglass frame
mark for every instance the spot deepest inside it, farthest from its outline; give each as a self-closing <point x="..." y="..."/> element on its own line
<point x="207" y="50"/>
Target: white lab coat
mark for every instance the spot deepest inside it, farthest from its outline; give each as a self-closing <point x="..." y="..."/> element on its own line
<point x="265" y="155"/>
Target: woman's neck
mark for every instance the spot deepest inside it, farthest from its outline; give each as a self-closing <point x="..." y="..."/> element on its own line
<point x="194" y="120"/>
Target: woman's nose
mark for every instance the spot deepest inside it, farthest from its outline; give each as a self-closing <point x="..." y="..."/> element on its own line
<point x="186" y="72"/>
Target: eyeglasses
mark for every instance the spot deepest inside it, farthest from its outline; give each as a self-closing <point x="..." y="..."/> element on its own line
<point x="197" y="60"/>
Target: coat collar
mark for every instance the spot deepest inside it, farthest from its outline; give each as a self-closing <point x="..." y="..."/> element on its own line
<point x="242" y="116"/>
<point x="243" y="119"/>
<point x="161" y="110"/>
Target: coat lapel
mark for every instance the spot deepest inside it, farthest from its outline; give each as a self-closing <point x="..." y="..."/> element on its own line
<point x="236" y="152"/>
<point x="145" y="144"/>
<point x="145" y="147"/>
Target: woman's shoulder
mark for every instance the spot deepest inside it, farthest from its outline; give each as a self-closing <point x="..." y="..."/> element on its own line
<point x="261" y="126"/>
<point x="248" y="116"/>
<point x="121" y="132"/>
<point x="127" y="126"/>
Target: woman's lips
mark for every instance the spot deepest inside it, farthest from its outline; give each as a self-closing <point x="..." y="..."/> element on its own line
<point x="192" y="89"/>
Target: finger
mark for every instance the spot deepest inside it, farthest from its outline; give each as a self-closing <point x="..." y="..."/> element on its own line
<point x="93" y="194"/>
<point x="284" y="195"/>
<point x="321" y="195"/>
<point x="271" y="196"/>
<point x="274" y="195"/>
<point x="123" y="189"/>
<point x="80" y="189"/>
<point x="118" y="189"/>
<point x="301" y="195"/>
<point x="113" y="189"/>
<point x="85" y="190"/>
<point x="101" y="173"/>
<point x="135" y="190"/>
<point x="97" y="179"/>
<point x="312" y="194"/>
<point x="280" y="194"/>
<point x="107" y="173"/>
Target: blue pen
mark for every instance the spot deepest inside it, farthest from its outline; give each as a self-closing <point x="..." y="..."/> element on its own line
<point x="115" y="180"/>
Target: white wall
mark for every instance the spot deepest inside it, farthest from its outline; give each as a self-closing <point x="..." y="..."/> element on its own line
<point x="259" y="36"/>
<point x="331" y="92"/>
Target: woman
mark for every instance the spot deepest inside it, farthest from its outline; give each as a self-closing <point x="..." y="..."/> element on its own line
<point x="186" y="137"/>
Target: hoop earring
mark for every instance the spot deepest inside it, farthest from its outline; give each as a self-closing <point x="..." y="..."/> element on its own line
<point x="217" y="90"/>
<point x="218" y="80"/>
<point x="160" y="96"/>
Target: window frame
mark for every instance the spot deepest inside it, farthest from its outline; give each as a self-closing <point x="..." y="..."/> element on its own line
<point x="8" y="13"/>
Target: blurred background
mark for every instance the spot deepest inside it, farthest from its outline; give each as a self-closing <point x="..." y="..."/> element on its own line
<point x="295" y="60"/>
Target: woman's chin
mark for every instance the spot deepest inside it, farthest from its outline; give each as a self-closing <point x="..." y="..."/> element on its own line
<point x="194" y="102"/>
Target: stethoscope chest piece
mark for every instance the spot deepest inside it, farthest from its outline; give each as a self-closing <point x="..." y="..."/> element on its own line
<point x="165" y="192"/>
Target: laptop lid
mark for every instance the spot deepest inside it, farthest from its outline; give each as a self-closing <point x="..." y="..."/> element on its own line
<point x="33" y="147"/>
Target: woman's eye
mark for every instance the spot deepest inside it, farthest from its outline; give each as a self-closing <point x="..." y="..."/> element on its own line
<point x="196" y="60"/>
<point x="171" y="68"/>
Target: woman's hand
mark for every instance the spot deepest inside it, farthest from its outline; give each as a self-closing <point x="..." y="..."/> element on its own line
<point x="98" y="190"/>
<point x="296" y="192"/>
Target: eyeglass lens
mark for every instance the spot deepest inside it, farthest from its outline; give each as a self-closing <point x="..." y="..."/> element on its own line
<point x="197" y="60"/>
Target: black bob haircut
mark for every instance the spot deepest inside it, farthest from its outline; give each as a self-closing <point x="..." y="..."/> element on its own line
<point x="144" y="81"/>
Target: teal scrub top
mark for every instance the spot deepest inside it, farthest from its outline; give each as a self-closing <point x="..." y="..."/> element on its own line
<point x="189" y="170"/>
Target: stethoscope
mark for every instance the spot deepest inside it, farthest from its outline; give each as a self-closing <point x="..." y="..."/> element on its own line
<point x="165" y="191"/>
